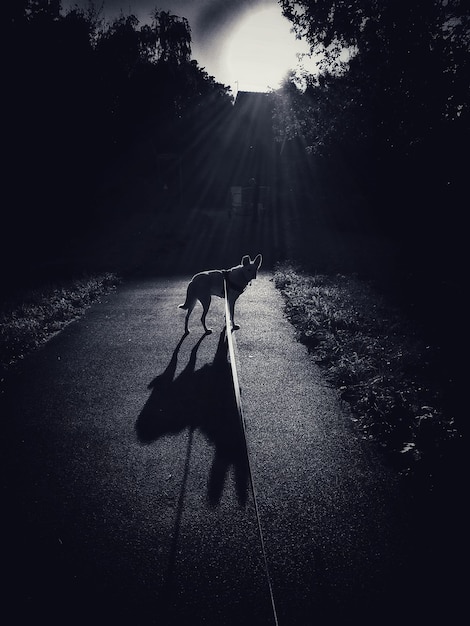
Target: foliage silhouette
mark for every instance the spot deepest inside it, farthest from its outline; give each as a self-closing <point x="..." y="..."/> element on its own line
<point x="84" y="97"/>
<point x="386" y="132"/>
<point x="396" y="113"/>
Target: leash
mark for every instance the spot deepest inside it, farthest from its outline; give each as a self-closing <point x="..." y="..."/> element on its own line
<point x="230" y="283"/>
<point x="236" y="386"/>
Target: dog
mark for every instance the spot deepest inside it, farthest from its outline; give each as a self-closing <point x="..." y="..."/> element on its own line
<point x="211" y="283"/>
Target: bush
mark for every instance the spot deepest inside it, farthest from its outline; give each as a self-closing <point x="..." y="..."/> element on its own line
<point x="376" y="358"/>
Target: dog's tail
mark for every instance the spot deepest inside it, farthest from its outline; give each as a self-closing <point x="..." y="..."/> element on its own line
<point x="188" y="300"/>
<point x="185" y="304"/>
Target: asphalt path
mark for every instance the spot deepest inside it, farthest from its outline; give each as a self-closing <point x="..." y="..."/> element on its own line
<point x="126" y="485"/>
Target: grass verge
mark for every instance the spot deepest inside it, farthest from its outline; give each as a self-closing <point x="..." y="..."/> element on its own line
<point x="376" y="358"/>
<point x="30" y="317"/>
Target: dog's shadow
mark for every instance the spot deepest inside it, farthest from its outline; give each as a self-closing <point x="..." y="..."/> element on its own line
<point x="201" y="399"/>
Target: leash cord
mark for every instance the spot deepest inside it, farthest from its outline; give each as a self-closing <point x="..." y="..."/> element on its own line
<point x="236" y="385"/>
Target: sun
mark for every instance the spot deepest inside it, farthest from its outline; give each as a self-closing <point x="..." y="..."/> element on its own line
<point x="260" y="50"/>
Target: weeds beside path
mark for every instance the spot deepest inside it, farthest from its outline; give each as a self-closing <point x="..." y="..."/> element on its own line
<point x="32" y="316"/>
<point x="376" y="358"/>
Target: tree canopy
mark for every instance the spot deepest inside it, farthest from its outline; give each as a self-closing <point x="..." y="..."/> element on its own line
<point x="409" y="63"/>
<point x="80" y="93"/>
<point x="397" y="106"/>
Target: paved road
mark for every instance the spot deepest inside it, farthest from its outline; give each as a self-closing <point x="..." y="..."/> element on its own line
<point x="126" y="487"/>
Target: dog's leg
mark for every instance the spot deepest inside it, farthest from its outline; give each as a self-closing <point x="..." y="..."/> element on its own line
<point x="231" y="304"/>
<point x="206" y="302"/>
<point x="189" y="306"/>
<point x="186" y="319"/>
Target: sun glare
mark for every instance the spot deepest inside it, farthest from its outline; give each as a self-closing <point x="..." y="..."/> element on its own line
<point x="260" y="50"/>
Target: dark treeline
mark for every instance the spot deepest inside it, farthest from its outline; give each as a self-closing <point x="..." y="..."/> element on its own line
<point x="394" y="119"/>
<point x="81" y="95"/>
<point x="102" y="118"/>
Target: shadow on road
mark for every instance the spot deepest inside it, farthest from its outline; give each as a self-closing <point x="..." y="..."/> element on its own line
<point x="204" y="400"/>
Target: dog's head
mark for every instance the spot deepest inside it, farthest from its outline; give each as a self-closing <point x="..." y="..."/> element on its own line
<point x="250" y="268"/>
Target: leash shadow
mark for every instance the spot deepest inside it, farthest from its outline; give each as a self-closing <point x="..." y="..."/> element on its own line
<point x="203" y="400"/>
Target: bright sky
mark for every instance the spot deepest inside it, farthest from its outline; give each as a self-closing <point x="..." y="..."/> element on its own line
<point x="245" y="44"/>
<point x="258" y="51"/>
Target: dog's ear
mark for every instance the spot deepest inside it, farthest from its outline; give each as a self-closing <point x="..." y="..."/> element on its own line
<point x="245" y="260"/>
<point x="257" y="261"/>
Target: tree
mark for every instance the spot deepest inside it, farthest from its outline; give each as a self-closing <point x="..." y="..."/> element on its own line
<point x="80" y="96"/>
<point x="172" y="36"/>
<point x="403" y="94"/>
<point x="396" y="113"/>
<point x="409" y="68"/>
<point x="44" y="9"/>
